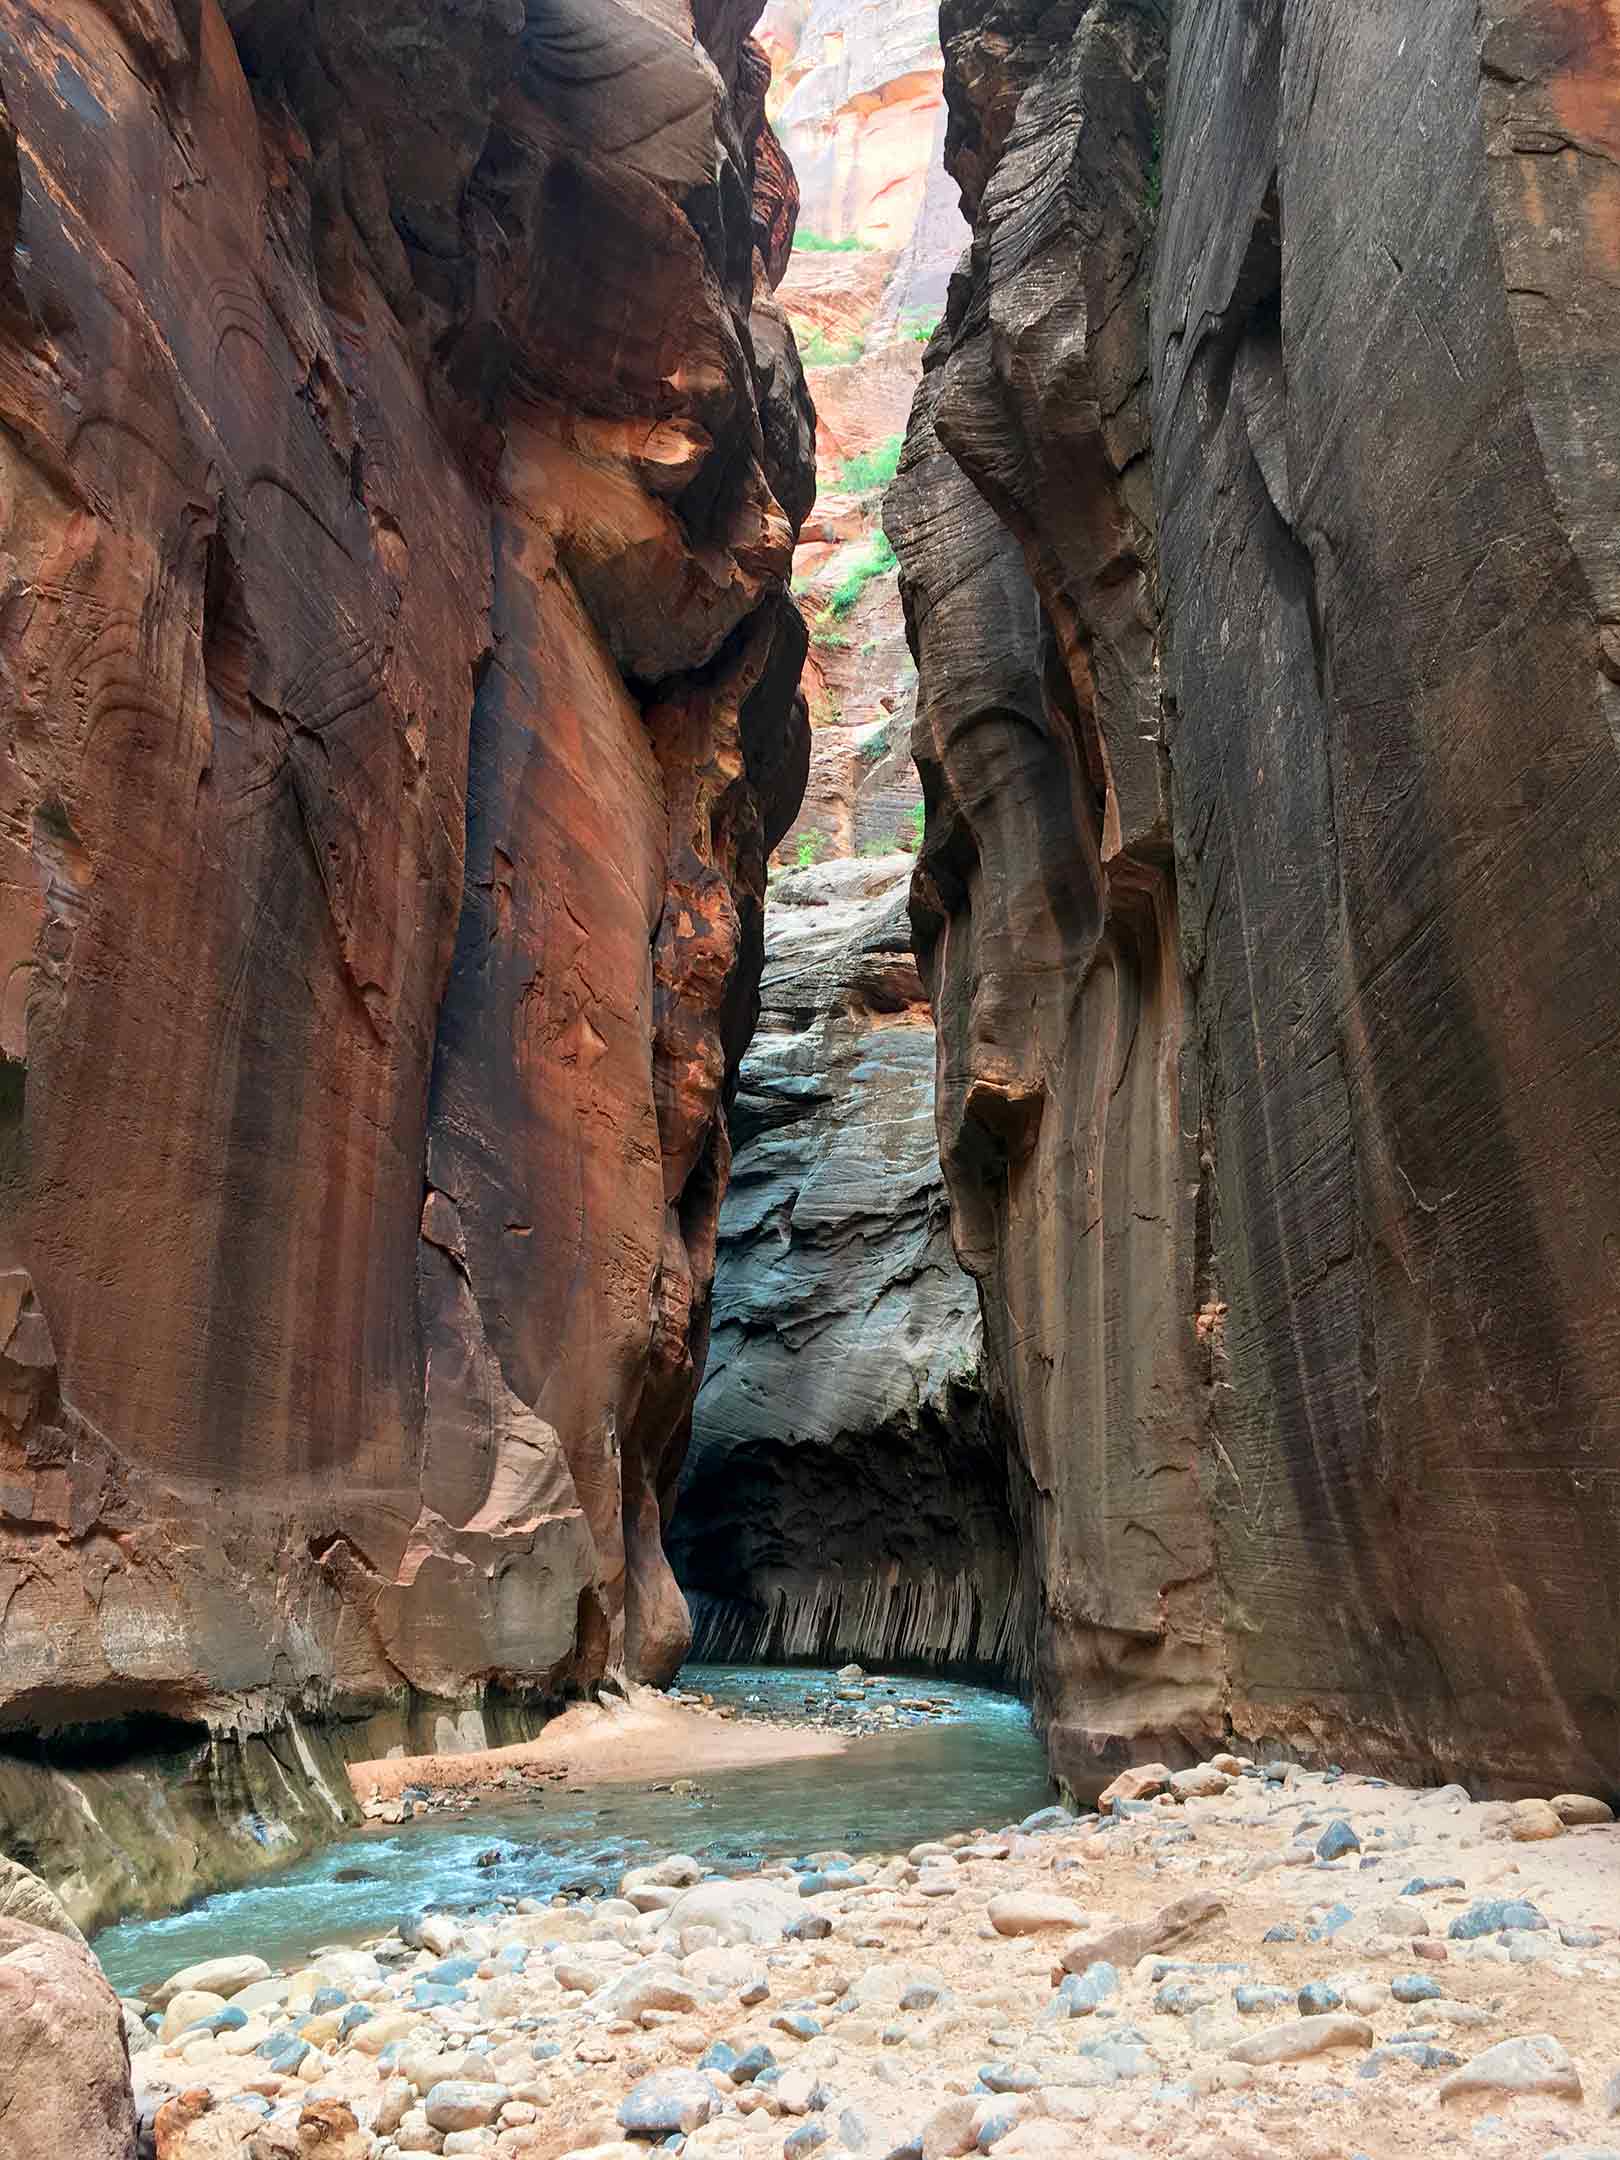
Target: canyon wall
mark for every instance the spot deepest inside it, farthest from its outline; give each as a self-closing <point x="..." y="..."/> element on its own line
<point x="1257" y="526"/>
<point x="846" y="1493"/>
<point x="858" y="98"/>
<point x="403" y="458"/>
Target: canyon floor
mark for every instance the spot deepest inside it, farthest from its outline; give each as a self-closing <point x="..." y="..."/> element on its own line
<point x="1243" y="1961"/>
<point x="650" y="1735"/>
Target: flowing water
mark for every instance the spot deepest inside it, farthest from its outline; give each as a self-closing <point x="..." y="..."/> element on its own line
<point x="978" y="1762"/>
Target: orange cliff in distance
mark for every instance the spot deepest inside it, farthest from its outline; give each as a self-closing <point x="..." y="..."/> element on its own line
<point x="857" y="99"/>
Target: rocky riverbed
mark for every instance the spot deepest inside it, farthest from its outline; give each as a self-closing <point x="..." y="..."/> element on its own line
<point x="1240" y="1960"/>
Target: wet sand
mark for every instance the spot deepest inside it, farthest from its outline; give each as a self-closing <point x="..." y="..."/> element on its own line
<point x="628" y="1743"/>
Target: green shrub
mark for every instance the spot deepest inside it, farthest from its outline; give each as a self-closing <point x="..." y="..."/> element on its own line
<point x="807" y="849"/>
<point x="919" y="326"/>
<point x="830" y="640"/>
<point x="912" y="838"/>
<point x="874" y="560"/>
<point x="815" y="243"/>
<point x="818" y="350"/>
<point x="875" y="747"/>
<point x="873" y="469"/>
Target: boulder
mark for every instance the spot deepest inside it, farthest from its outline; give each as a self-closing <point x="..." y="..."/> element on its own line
<point x="1127" y="1940"/>
<point x="1536" y="2066"/>
<point x="64" y="2067"/>
<point x="1576" y="1810"/>
<point x="1301" y="2038"/>
<point x="739" y="1912"/>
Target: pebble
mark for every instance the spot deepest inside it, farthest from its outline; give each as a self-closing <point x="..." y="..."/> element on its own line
<point x="1576" y="1809"/>
<point x="1337" y="1840"/>
<point x="668" y="2103"/>
<point x="459" y="2104"/>
<point x="805" y="2139"/>
<point x="1414" y="1988"/>
<point x="797" y="2024"/>
<point x="1202" y="1782"/>
<point x="1080" y="1994"/>
<point x="1533" y="1820"/>
<point x="283" y="2051"/>
<point x="1047" y="1819"/>
<point x="1335" y="1918"/>
<point x="1028" y="1912"/>
<point x="1308" y="2036"/>
<point x="1536" y="2064"/>
<point x="1253" y="2001"/>
<point x="1419" y="2053"/>
<point x="1009" y="2078"/>
<point x="1420" y="1885"/>
<point x="1489" y="1916"/>
<point x="1317" y="1997"/>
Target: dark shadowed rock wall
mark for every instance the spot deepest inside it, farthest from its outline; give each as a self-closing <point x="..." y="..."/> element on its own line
<point x="403" y="455"/>
<point x="846" y="1493"/>
<point x="1258" y="529"/>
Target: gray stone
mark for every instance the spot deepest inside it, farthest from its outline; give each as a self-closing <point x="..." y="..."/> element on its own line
<point x="1536" y="2064"/>
<point x="1415" y="1988"/>
<point x="666" y="2104"/>
<point x="1317" y="1997"/>
<point x="1489" y="1916"/>
<point x="1337" y="1840"/>
<point x="1080" y="1994"/>
<point x="283" y="2051"/>
<point x="1335" y="1918"/>
<point x="462" y="2104"/>
<point x="1252" y="2001"/>
<point x="797" y="2024"/>
<point x="1307" y="2036"/>
<point x="1009" y="2078"/>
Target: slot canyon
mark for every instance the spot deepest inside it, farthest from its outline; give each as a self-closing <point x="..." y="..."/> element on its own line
<point x="809" y="910"/>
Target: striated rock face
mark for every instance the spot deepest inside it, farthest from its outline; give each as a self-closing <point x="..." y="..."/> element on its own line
<point x="1045" y="906"/>
<point x="857" y="96"/>
<point x="846" y="1494"/>
<point x="1268" y="734"/>
<point x="403" y="457"/>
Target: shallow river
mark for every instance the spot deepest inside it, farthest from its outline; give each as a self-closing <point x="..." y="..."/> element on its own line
<point x="978" y="1763"/>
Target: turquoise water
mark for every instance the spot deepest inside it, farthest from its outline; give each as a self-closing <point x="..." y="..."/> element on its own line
<point x="977" y="1763"/>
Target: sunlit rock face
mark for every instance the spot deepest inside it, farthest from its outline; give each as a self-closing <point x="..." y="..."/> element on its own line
<point x="404" y="454"/>
<point x="857" y="96"/>
<point x="846" y="1494"/>
<point x="1251" y="546"/>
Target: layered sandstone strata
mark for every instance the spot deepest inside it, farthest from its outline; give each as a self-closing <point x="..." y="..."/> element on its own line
<point x="846" y="1494"/>
<point x="403" y="457"/>
<point x="1270" y="893"/>
<point x="857" y="96"/>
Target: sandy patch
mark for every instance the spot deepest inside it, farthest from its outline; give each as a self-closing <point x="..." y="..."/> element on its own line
<point x="628" y="1743"/>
